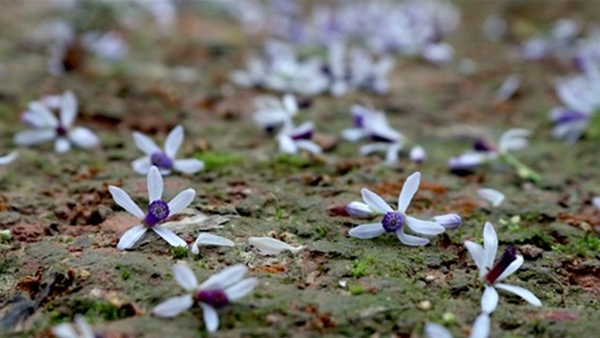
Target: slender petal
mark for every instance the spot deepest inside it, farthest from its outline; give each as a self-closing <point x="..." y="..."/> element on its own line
<point x="354" y="134"/>
<point x="272" y="246"/>
<point x="409" y="189"/>
<point x="211" y="317"/>
<point x="493" y="196"/>
<point x="391" y="154"/>
<point x="373" y="147"/>
<point x="411" y="240"/>
<point x="489" y="300"/>
<point x="33" y="136"/>
<point x="144" y="143"/>
<point x="521" y="292"/>
<point x="225" y="278"/>
<point x="169" y="236"/>
<point x="188" y="166"/>
<point x="142" y="165"/>
<point x="6" y="159"/>
<point x="290" y="104"/>
<point x="241" y="289"/>
<point x="481" y="326"/>
<point x="433" y="330"/>
<point x="360" y="210"/>
<point x="513" y="139"/>
<point x="68" y="109"/>
<point x="366" y="231"/>
<point x="185" y="277"/>
<point x="309" y="146"/>
<point x="155" y="184"/>
<point x="210" y="239"/>
<point x="427" y="228"/>
<point x="478" y="254"/>
<point x="173" y="306"/>
<point x="174" y="141"/>
<point x="181" y="201"/>
<point x="43" y="114"/>
<point x="61" y="145"/>
<point x="125" y="202"/>
<point x="84" y="328"/>
<point x="490" y="244"/>
<point x="83" y="138"/>
<point x="375" y="201"/>
<point x="286" y="144"/>
<point x="64" y="330"/>
<point x="131" y="236"/>
<point x="514" y="266"/>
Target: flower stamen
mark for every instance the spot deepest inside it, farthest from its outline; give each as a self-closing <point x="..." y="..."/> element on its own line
<point x="158" y="211"/>
<point x="509" y="256"/>
<point x="392" y="221"/>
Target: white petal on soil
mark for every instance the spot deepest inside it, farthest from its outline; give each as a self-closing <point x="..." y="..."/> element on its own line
<point x="173" y="306"/>
<point x="489" y="300"/>
<point x="366" y="231"/>
<point x="478" y="255"/>
<point x="427" y="228"/>
<point x="508" y="88"/>
<point x="144" y="143"/>
<point x="225" y="278"/>
<point x="84" y="329"/>
<point x="6" y="159"/>
<point x="521" y="292"/>
<point x="493" y="196"/>
<point x="411" y="240"/>
<point x="125" y="202"/>
<point x="43" y="114"/>
<point x="188" y="166"/>
<point x="409" y="189"/>
<point x="211" y="317"/>
<point x="83" y="138"/>
<point x="417" y="154"/>
<point x="241" y="289"/>
<point x="286" y="144"/>
<point x="391" y="154"/>
<point x="185" y="277"/>
<point x="155" y="184"/>
<point x="375" y="201"/>
<point x="174" y="141"/>
<point x="481" y="327"/>
<point x="61" y="145"/>
<point x="33" y="136"/>
<point x="142" y="165"/>
<point x="433" y="330"/>
<point x="373" y="147"/>
<point x="272" y="246"/>
<point x="514" y="266"/>
<point x="181" y="201"/>
<point x="68" y="109"/>
<point x="131" y="236"/>
<point x="309" y="146"/>
<point x="360" y="210"/>
<point x="210" y="239"/>
<point x="64" y="330"/>
<point x="169" y="236"/>
<point x="354" y="134"/>
<point x="514" y="139"/>
<point x="596" y="202"/>
<point x="490" y="244"/>
<point x="290" y="104"/>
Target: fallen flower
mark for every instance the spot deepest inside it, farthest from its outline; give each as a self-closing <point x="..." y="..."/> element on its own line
<point x="8" y="158"/>
<point x="292" y="139"/>
<point x="493" y="196"/>
<point x="480" y="329"/>
<point x="272" y="246"/>
<point x="596" y="202"/>
<point x="417" y="154"/>
<point x="47" y="127"/>
<point x="448" y="221"/>
<point x="491" y="273"/>
<point x="164" y="160"/>
<point x="80" y="329"/>
<point x="394" y="221"/>
<point x="210" y="239"/>
<point x="215" y="293"/>
<point x="360" y="210"/>
<point x="272" y="113"/>
<point x="158" y="211"/>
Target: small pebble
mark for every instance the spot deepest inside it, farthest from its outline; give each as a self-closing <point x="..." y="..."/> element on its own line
<point x="424" y="305"/>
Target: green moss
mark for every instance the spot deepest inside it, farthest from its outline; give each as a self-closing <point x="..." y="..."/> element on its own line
<point x="362" y="267"/>
<point x="178" y="252"/>
<point x="356" y="289"/>
<point x="125" y="273"/>
<point x="321" y="231"/>
<point x="586" y="246"/>
<point x="92" y="310"/>
<point x="214" y="161"/>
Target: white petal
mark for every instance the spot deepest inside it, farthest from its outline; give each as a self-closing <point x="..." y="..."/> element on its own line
<point x="309" y="146"/>
<point x="391" y="154"/>
<point x="169" y="236"/>
<point x="83" y="138"/>
<point x="34" y="136"/>
<point x="375" y="201"/>
<point x="521" y="292"/>
<point x="481" y="327"/>
<point x="508" y="88"/>
<point x="366" y="231"/>
<point x="493" y="196"/>
<point x="290" y="104"/>
<point x="409" y="189"/>
<point x="173" y="306"/>
<point x="513" y="139"/>
<point x="181" y="201"/>
<point x="6" y="159"/>
<point x="286" y="144"/>
<point x="142" y="165"/>
<point x="125" y="202"/>
<point x="43" y="114"/>
<point x="174" y="141"/>
<point x="490" y="244"/>
<point x="417" y="154"/>
<point x="64" y="330"/>
<point x="211" y="317"/>
<point x="478" y="255"/>
<point x="489" y="300"/>
<point x="427" y="228"/>
<point x="131" y="236"/>
<point x="84" y="329"/>
<point x="373" y="147"/>
<point x="512" y="267"/>
<point x="68" y="109"/>
<point x="433" y="330"/>
<point x="225" y="278"/>
<point x="360" y="210"/>
<point x="155" y="184"/>
<point x="62" y="145"/>
<point x="354" y="134"/>
<point x="241" y="289"/>
<point x="596" y="202"/>
<point x="144" y="143"/>
<point x="210" y="239"/>
<point x="188" y="166"/>
<point x="411" y="240"/>
<point x="185" y="277"/>
<point x="272" y="246"/>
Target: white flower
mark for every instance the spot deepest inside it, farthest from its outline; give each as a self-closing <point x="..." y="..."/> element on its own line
<point x="293" y="139"/>
<point x="216" y="292"/>
<point x="448" y="221"/>
<point x="6" y="159"/>
<point x="81" y="329"/>
<point x="507" y="89"/>
<point x="360" y="210"/>
<point x="438" y="53"/>
<point x="272" y="113"/>
<point x="47" y="127"/>
<point x="480" y="329"/>
<point x="164" y="160"/>
<point x="109" y="46"/>
<point x="272" y="246"/>
<point x="210" y="239"/>
<point x="493" y="196"/>
<point x="158" y="211"/>
<point x="394" y="221"/>
<point x="491" y="274"/>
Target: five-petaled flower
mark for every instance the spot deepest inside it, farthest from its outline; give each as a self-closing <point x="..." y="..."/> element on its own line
<point x="164" y="160"/>
<point x="292" y="139"/>
<point x="491" y="274"/>
<point x="46" y="127"/>
<point x="158" y="211"/>
<point x="216" y="292"/>
<point x="394" y="220"/>
<point x="272" y="113"/>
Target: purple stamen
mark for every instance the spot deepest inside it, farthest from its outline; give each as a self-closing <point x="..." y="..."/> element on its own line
<point x="158" y="211"/>
<point x="161" y="160"/>
<point x="568" y="116"/>
<point x="61" y="131"/>
<point x="359" y="121"/>
<point x="304" y="135"/>
<point x="481" y="145"/>
<point x="579" y="63"/>
<point x="380" y="138"/>
<point x="392" y="221"/>
<point x="215" y="298"/>
<point x="509" y="256"/>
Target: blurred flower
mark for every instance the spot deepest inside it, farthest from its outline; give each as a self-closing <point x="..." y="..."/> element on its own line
<point x="293" y="139"/>
<point x="480" y="329"/>
<point x="558" y="42"/>
<point x="417" y="154"/>
<point x="109" y="46"/>
<point x="448" y="221"/>
<point x="493" y="196"/>
<point x="507" y="89"/>
<point x="80" y="329"/>
<point x="272" y="113"/>
<point x="8" y="158"/>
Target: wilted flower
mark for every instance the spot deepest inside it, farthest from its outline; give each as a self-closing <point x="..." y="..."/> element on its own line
<point x="80" y="329"/>
<point x="272" y="113"/>
<point x="480" y="329"/>
<point x="292" y="139"/>
<point x="491" y="274"/>
<point x="493" y="196"/>
<point x="394" y="221"/>
<point x="158" y="211"/>
<point x="46" y="127"/>
<point x="164" y="160"/>
<point x="6" y="159"/>
<point x="216" y="292"/>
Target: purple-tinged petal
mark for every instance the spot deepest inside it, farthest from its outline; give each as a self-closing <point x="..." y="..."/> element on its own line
<point x="169" y="236"/>
<point x="185" y="277"/>
<point x="173" y="306"/>
<point x="131" y="236"/>
<point x="521" y="292"/>
<point x="181" y="201"/>
<point x="367" y="231"/>
<point x="411" y="240"/>
<point x="489" y="300"/>
<point x="174" y="141"/>
<point x="409" y="189"/>
<point x="124" y="201"/>
<point x="375" y="201"/>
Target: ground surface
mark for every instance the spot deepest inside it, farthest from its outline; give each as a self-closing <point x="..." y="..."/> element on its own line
<point x="63" y="259"/>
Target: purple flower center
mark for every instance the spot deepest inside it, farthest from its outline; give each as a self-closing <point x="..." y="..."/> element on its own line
<point x="380" y="138"/>
<point x="161" y="160"/>
<point x="392" y="221"/>
<point x="215" y="298"/>
<point x="306" y="135"/>
<point x="509" y="256"/>
<point x="157" y="211"/>
<point x="568" y="116"/>
<point x="481" y="145"/>
<point x="61" y="131"/>
<point x="359" y="121"/>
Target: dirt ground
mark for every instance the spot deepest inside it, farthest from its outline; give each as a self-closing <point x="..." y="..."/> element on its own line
<point x="63" y="260"/>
